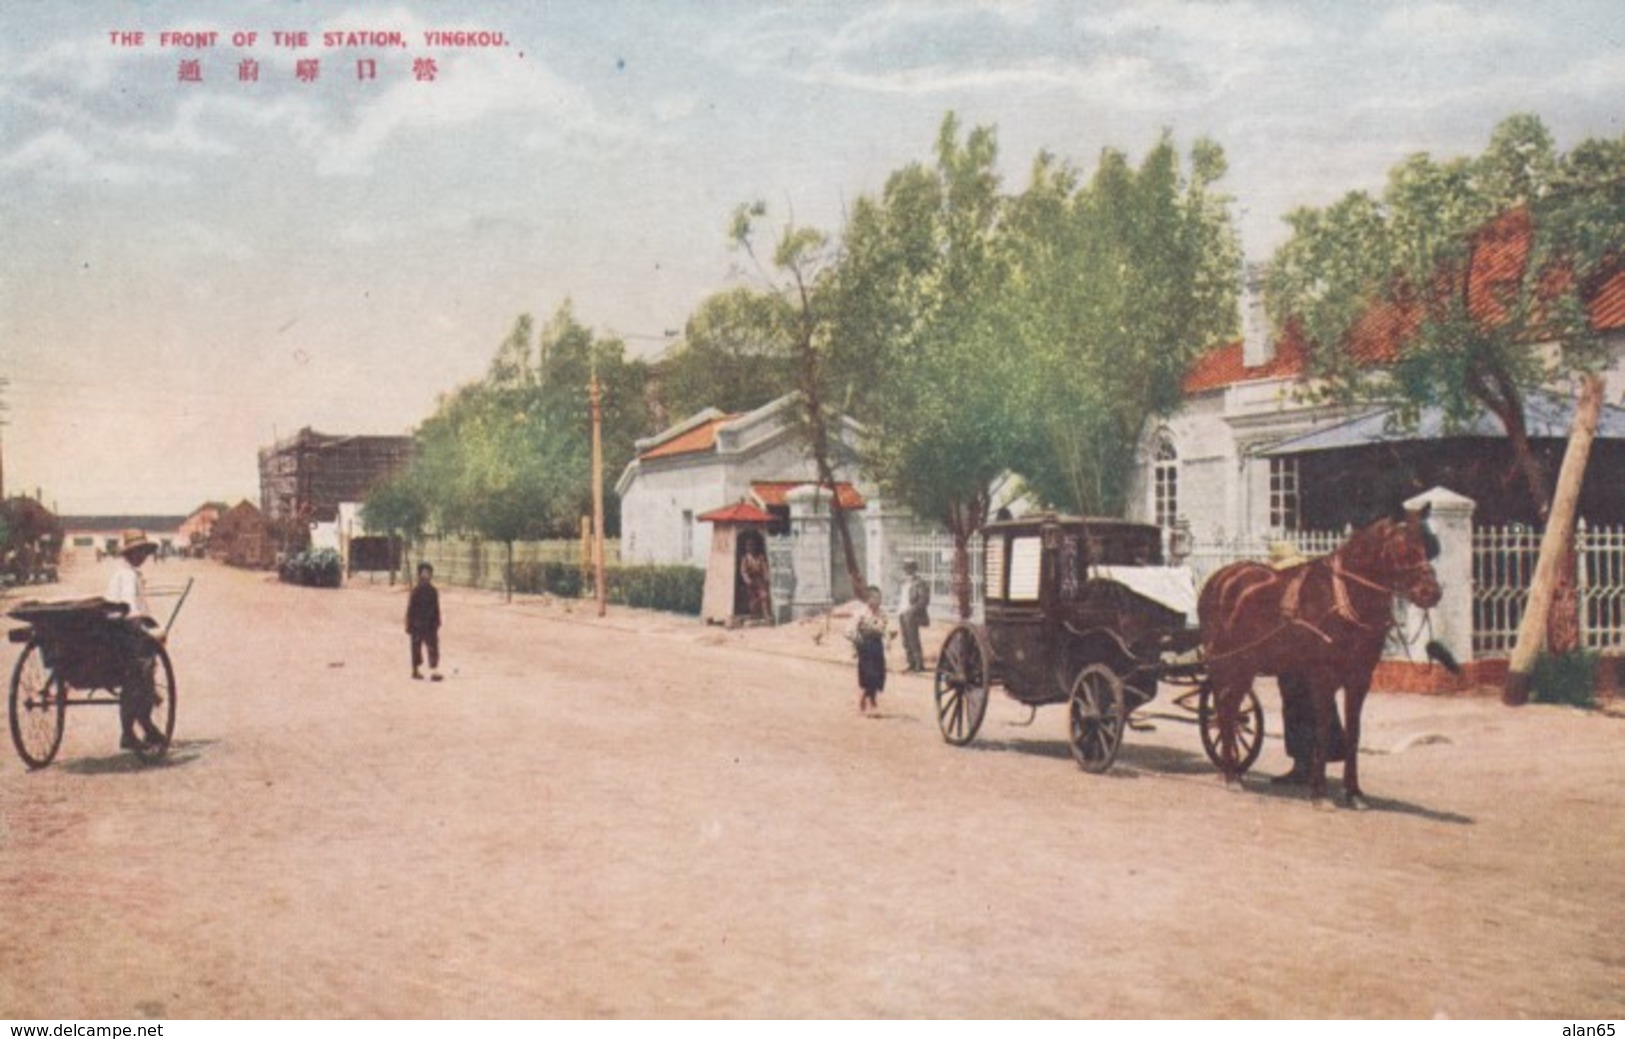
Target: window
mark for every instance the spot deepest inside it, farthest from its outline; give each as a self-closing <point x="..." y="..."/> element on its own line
<point x="1284" y="513"/>
<point x="1026" y="557"/>
<point x="1165" y="483"/>
<point x="688" y="535"/>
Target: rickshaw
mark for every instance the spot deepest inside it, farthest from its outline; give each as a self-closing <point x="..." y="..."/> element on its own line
<point x="1083" y="611"/>
<point x="71" y="658"/>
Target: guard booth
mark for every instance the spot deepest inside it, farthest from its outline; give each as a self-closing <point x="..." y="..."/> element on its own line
<point x="734" y="529"/>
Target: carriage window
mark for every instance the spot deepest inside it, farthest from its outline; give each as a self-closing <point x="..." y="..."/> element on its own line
<point x="993" y="569"/>
<point x="1284" y="494"/>
<point x="1025" y="554"/>
<point x="1165" y="484"/>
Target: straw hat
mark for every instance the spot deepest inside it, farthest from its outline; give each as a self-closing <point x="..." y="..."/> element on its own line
<point x="133" y="541"/>
<point x="1284" y="554"/>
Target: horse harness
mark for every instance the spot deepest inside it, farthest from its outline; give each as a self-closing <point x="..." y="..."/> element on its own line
<point x="1290" y="608"/>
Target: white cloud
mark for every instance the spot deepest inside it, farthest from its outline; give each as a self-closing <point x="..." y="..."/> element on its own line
<point x="57" y="154"/>
<point x="1452" y="26"/>
<point x="1205" y="28"/>
<point x="470" y="88"/>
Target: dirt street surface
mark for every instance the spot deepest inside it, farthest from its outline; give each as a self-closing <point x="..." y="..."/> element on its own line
<point x="638" y="816"/>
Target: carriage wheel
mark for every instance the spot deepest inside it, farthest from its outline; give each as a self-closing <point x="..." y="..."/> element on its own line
<point x="962" y="683"/>
<point x="1249" y="729"/>
<point x="1097" y="716"/>
<point x="163" y="708"/>
<point x="38" y="707"/>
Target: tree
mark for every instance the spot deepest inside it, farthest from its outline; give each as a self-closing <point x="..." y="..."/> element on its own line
<point x="733" y="356"/>
<point x="921" y="295"/>
<point x="796" y="307"/>
<point x="567" y="353"/>
<point x="398" y="507"/>
<point x="1116" y="286"/>
<point x="1489" y="260"/>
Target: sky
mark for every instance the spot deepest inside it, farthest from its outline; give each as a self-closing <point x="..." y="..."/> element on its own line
<point x="202" y="255"/>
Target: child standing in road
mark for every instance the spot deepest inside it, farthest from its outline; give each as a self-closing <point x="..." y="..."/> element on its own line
<point x="867" y="631"/>
<point x="423" y="623"/>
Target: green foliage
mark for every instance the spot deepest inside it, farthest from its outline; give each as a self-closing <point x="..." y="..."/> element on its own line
<point x="1119" y="283"/>
<point x="673" y="589"/>
<point x="318" y="568"/>
<point x="734" y="355"/>
<point x="565" y="580"/>
<point x="920" y="297"/>
<point x="398" y="506"/>
<point x="1032" y="332"/>
<point x="508" y="458"/>
<point x="1414" y="247"/>
<point x="1565" y="678"/>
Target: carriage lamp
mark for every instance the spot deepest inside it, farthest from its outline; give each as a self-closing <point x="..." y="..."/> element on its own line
<point x="1179" y="541"/>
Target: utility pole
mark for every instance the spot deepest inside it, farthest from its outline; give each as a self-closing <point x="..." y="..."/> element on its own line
<point x="4" y="382"/>
<point x="596" y="408"/>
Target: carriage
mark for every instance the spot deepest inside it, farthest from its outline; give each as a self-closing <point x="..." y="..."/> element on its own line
<point x="71" y="657"/>
<point x="1083" y="611"/>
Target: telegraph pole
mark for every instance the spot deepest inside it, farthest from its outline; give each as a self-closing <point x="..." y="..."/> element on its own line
<point x="596" y="408"/>
<point x="4" y="382"/>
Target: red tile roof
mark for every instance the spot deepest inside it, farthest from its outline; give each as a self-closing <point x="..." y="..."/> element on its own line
<point x="738" y="512"/>
<point x="1501" y="254"/>
<point x="700" y="439"/>
<point x="772" y="492"/>
<point x="1223" y="366"/>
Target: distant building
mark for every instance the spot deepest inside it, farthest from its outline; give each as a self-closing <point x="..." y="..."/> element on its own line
<point x="241" y="537"/>
<point x="195" y="529"/>
<point x="306" y="477"/>
<point x="1254" y="451"/>
<point x="89" y="538"/>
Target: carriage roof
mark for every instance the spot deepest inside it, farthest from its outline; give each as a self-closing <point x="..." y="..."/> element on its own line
<point x="1110" y="541"/>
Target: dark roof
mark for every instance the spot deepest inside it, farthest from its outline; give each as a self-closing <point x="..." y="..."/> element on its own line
<point x="1548" y="416"/>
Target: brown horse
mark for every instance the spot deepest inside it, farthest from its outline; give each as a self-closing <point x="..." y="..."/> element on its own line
<point x="1325" y="620"/>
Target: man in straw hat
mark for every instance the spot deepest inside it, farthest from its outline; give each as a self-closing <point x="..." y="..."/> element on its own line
<point x="135" y="642"/>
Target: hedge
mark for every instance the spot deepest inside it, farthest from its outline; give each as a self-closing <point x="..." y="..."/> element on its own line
<point x="319" y="569"/>
<point x="673" y="589"/>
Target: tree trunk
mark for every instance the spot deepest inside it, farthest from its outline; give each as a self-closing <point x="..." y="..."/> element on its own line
<point x="1555" y="543"/>
<point x="964" y="520"/>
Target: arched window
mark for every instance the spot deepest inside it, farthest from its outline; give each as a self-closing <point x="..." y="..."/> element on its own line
<point x="1165" y="482"/>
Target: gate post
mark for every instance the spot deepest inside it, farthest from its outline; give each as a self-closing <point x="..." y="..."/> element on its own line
<point x="1452" y="520"/>
<point x="810" y="555"/>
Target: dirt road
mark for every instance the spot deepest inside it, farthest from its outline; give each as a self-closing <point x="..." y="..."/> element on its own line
<point x="639" y="817"/>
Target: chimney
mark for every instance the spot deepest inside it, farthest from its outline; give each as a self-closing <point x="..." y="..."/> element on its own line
<point x="1257" y="348"/>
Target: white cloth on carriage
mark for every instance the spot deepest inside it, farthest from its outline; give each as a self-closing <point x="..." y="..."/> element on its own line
<point x="1171" y="586"/>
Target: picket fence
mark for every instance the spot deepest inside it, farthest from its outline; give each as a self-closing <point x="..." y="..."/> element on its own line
<point x="1504" y="563"/>
<point x="473" y="563"/>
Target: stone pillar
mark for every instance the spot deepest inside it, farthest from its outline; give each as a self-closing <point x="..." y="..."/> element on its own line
<point x="1452" y="520"/>
<point x="810" y="526"/>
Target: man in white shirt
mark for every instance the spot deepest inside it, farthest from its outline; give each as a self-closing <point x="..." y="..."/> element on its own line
<point x="133" y="640"/>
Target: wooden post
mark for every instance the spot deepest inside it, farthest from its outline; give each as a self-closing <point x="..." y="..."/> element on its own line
<point x="597" y="494"/>
<point x="1554" y="543"/>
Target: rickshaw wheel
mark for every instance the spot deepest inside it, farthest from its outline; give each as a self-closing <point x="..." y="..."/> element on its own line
<point x="163" y="708"/>
<point x="1097" y="715"/>
<point x="962" y="683"/>
<point x="1249" y="729"/>
<point x="38" y="707"/>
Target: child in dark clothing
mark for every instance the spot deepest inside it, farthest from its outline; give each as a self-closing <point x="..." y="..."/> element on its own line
<point x="423" y="622"/>
<point x="867" y="632"/>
